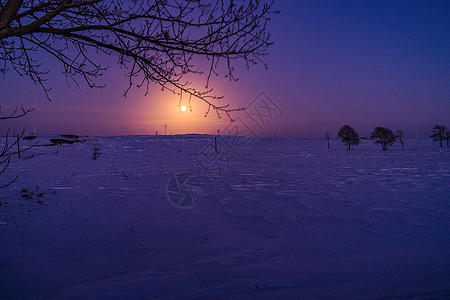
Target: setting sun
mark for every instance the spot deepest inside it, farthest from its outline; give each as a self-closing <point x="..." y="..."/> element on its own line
<point x="183" y="108"/>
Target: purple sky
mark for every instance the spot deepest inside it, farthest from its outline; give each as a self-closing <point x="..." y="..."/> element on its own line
<point x="362" y="63"/>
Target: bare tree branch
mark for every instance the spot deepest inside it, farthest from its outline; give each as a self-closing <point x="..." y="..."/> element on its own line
<point x="8" y="11"/>
<point x="158" y="42"/>
<point x="17" y="113"/>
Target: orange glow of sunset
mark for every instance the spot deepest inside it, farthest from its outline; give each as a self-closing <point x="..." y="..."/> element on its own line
<point x="162" y="108"/>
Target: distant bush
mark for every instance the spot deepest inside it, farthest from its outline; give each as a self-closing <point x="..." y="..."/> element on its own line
<point x="61" y="141"/>
<point x="29" y="138"/>
<point x="69" y="136"/>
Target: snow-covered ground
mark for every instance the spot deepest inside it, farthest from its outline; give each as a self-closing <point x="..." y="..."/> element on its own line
<point x="284" y="219"/>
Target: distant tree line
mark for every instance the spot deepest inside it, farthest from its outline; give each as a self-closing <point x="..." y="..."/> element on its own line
<point x="385" y="137"/>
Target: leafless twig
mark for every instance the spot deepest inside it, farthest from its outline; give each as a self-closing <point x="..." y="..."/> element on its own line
<point x="157" y="41"/>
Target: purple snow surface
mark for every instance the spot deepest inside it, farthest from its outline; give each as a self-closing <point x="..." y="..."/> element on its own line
<point x="284" y="219"/>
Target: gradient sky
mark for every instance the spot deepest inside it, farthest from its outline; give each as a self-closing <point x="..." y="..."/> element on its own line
<point x="362" y="63"/>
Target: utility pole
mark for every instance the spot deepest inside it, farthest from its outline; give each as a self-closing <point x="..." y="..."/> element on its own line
<point x="215" y="143"/>
<point x="328" y="140"/>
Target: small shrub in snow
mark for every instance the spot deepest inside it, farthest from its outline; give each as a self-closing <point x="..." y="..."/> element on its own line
<point x="96" y="153"/>
<point x="10" y="148"/>
<point x="31" y="193"/>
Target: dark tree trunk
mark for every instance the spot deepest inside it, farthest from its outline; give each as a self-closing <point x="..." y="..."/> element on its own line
<point x="8" y="12"/>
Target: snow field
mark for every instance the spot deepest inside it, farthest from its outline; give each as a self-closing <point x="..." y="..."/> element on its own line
<point x="285" y="219"/>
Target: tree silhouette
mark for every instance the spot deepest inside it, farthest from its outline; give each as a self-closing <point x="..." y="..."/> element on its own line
<point x="349" y="136"/>
<point x="155" y="41"/>
<point x="383" y="136"/>
<point x="439" y="133"/>
<point x="400" y="137"/>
